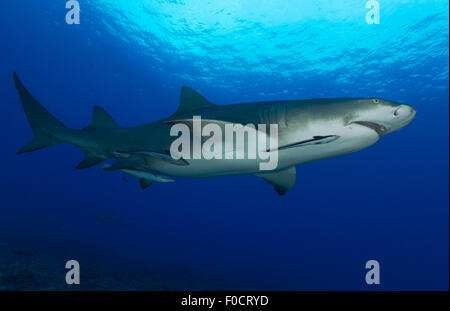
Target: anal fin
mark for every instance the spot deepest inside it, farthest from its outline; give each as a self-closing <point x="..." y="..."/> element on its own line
<point x="145" y="183"/>
<point x="90" y="159"/>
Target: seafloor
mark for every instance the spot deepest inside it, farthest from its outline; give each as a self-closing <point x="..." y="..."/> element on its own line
<point x="21" y="270"/>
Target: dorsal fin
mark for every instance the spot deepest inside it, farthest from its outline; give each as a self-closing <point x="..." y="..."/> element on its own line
<point x="191" y="100"/>
<point x="102" y="119"/>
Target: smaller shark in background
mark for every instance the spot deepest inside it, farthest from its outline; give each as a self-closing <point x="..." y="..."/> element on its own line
<point x="308" y="130"/>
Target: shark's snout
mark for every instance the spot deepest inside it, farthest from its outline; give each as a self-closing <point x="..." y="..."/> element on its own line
<point x="402" y="115"/>
<point x="405" y="111"/>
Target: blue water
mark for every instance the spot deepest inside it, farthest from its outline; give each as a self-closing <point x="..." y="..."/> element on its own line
<point x="389" y="202"/>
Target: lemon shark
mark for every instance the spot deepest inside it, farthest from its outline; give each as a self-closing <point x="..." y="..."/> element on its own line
<point x="307" y="130"/>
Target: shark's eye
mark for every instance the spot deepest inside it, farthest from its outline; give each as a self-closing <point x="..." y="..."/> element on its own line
<point x="375" y="101"/>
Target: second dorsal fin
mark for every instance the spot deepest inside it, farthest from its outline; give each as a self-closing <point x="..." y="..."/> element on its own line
<point x="191" y="100"/>
<point x="102" y="119"/>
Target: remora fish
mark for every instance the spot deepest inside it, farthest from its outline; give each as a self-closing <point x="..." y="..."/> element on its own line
<point x="308" y="130"/>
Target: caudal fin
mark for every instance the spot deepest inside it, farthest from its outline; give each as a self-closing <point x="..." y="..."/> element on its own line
<point x="42" y="122"/>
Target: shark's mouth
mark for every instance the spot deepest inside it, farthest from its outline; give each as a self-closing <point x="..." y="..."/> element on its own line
<point x="380" y="129"/>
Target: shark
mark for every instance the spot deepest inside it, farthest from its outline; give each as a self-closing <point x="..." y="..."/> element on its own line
<point x="307" y="130"/>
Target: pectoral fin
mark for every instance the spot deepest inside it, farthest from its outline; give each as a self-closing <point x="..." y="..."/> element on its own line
<point x="282" y="180"/>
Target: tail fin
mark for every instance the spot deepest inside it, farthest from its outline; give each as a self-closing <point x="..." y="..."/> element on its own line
<point x="42" y="122"/>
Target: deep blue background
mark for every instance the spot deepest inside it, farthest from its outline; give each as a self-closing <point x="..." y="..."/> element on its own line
<point x="388" y="202"/>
